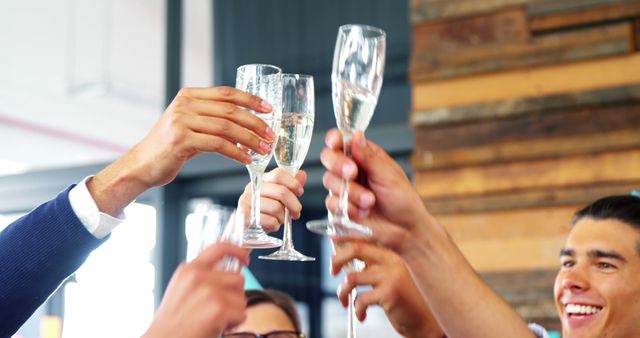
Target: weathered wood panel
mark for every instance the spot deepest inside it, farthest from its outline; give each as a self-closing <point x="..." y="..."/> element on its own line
<point x="583" y="144"/>
<point x="427" y="10"/>
<point x="433" y="63"/>
<point x="556" y="123"/>
<point x="637" y="34"/>
<point x="516" y="107"/>
<point x="505" y="224"/>
<point x="489" y="255"/>
<point x="507" y="26"/>
<point x="613" y="167"/>
<point x="597" y="14"/>
<point x="522" y="83"/>
<point x="529" y="292"/>
<point x="531" y="198"/>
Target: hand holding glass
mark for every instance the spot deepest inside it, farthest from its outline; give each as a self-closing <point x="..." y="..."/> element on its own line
<point x="358" y="68"/>
<point x="264" y="81"/>
<point x="294" y="137"/>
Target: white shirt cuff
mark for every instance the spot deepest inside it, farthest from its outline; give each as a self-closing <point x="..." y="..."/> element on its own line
<point x="97" y="223"/>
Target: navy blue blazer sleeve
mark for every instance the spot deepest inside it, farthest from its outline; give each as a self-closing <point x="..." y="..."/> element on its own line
<point x="37" y="253"/>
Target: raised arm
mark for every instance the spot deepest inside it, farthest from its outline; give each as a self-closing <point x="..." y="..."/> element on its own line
<point x="462" y="302"/>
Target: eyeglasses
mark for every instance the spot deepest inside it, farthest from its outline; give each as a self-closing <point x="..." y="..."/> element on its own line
<point x="272" y="334"/>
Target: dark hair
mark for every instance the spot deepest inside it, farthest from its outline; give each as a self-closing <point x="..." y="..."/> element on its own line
<point x="624" y="208"/>
<point x="277" y="298"/>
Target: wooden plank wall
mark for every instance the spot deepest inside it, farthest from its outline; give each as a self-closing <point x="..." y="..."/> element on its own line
<point x="523" y="111"/>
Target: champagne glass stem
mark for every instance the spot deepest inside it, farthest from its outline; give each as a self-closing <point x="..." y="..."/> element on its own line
<point x="287" y="241"/>
<point x="343" y="206"/>
<point x="256" y="179"/>
<point x="351" y="316"/>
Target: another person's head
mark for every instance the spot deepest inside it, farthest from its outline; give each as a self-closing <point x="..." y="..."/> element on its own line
<point x="597" y="289"/>
<point x="270" y="314"/>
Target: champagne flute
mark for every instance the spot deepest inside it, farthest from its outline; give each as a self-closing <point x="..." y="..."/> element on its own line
<point x="356" y="78"/>
<point x="264" y="81"/>
<point x="293" y="142"/>
<point x="209" y="224"/>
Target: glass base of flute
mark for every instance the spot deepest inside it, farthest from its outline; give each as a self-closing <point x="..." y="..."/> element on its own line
<point x="257" y="239"/>
<point x="339" y="227"/>
<point x="287" y="252"/>
<point x="288" y="255"/>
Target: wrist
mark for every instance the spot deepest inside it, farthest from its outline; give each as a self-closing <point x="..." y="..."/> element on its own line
<point x="426" y="240"/>
<point x="115" y="187"/>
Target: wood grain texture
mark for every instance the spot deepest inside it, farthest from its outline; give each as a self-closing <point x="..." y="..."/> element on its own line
<point x="505" y="224"/>
<point x="626" y="10"/>
<point x="503" y="27"/>
<point x="611" y="167"/>
<point x="531" y="198"/>
<point x="530" y="292"/>
<point x="532" y="125"/>
<point x="429" y="10"/>
<point x="516" y="107"/>
<point x="582" y="144"/>
<point x="513" y="254"/>
<point x="523" y="83"/>
<point x="434" y="63"/>
<point x="636" y="34"/>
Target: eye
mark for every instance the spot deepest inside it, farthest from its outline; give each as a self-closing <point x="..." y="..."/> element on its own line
<point x="605" y="266"/>
<point x="567" y="263"/>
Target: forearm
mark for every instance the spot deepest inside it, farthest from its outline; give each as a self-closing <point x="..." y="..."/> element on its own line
<point x="425" y="331"/>
<point x="464" y="305"/>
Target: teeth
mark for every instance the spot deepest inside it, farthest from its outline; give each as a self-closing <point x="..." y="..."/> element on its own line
<point x="582" y="309"/>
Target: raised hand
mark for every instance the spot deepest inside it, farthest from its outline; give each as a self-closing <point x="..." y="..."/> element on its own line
<point x="198" y="120"/>
<point x="393" y="289"/>
<point x="279" y="189"/>
<point x="202" y="300"/>
<point x="387" y="202"/>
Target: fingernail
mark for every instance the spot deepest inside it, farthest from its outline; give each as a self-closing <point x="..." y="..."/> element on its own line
<point x="347" y="170"/>
<point x="270" y="133"/>
<point x="266" y="105"/>
<point x="366" y="199"/>
<point x="266" y="147"/>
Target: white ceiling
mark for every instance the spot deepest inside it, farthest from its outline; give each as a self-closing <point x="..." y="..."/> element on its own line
<point x="82" y="81"/>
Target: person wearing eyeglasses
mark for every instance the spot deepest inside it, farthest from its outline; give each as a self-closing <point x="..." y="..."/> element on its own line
<point x="269" y="314"/>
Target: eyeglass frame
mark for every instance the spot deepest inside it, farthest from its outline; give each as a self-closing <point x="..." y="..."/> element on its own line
<point x="264" y="335"/>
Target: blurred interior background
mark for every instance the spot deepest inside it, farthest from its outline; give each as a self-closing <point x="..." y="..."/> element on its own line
<point x="508" y="114"/>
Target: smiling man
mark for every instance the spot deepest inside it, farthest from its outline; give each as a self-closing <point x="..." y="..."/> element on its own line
<point x="597" y="289"/>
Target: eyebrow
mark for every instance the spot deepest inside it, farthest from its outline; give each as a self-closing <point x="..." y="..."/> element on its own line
<point x="606" y="254"/>
<point x="594" y="254"/>
<point x="567" y="252"/>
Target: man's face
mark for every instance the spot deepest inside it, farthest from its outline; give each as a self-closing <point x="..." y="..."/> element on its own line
<point x="597" y="290"/>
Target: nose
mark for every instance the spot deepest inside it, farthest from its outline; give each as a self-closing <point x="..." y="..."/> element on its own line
<point x="575" y="279"/>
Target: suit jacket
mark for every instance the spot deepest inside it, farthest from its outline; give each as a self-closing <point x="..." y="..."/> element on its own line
<point x="37" y="253"/>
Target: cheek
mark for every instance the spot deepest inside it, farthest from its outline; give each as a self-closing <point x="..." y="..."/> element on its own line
<point x="557" y="286"/>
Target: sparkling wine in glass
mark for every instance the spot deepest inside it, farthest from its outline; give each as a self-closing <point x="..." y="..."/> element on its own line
<point x="264" y="81"/>
<point x="294" y="137"/>
<point x="356" y="78"/>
